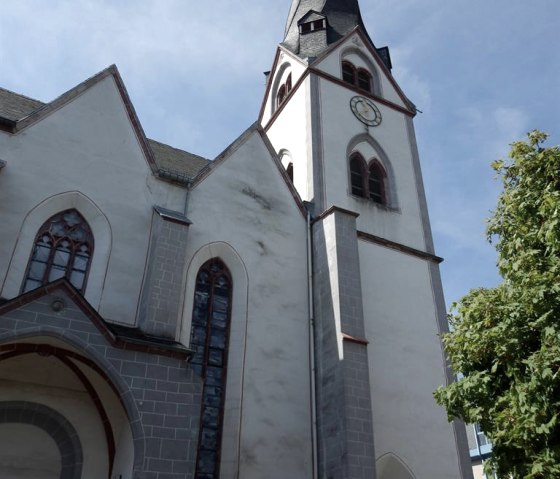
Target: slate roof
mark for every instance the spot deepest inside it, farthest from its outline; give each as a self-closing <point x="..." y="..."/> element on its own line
<point x="14" y="107"/>
<point x="176" y="160"/>
<point x="342" y="17"/>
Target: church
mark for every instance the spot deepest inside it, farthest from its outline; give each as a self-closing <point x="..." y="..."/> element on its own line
<point x="273" y="313"/>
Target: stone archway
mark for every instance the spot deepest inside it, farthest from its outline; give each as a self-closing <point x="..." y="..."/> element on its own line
<point x="390" y="466"/>
<point x="56" y="426"/>
<point x="50" y="372"/>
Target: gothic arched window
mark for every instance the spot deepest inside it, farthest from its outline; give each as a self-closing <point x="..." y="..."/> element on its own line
<point x="348" y="73"/>
<point x="364" y="80"/>
<point x="283" y="91"/>
<point x="376" y="184"/>
<point x="290" y="171"/>
<point x="368" y="182"/>
<point x="281" y="95"/>
<point x="209" y="341"/>
<point x="63" y="248"/>
<point x="358" y="175"/>
<point x="359" y="77"/>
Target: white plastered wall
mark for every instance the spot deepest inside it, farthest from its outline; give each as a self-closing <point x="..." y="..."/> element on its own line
<point x="406" y="362"/>
<point x="244" y="213"/>
<point x="354" y="50"/>
<point x="287" y="63"/>
<point x="339" y="128"/>
<point x="290" y="132"/>
<point x="89" y="147"/>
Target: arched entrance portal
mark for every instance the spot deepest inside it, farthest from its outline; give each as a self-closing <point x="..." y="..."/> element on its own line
<point x="36" y="441"/>
<point x="46" y="382"/>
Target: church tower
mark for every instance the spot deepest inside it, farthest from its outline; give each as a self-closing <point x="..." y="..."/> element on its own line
<point x="343" y="129"/>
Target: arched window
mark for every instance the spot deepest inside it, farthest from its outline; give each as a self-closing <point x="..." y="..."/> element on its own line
<point x="376" y="182"/>
<point x="281" y="95"/>
<point x="290" y="171"/>
<point x="368" y="182"/>
<point x="283" y="91"/>
<point x="364" y="80"/>
<point x="359" y="77"/>
<point x="349" y="73"/>
<point x="209" y="340"/>
<point x="357" y="175"/>
<point x="63" y="249"/>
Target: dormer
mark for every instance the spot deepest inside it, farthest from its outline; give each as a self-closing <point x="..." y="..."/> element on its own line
<point x="312" y="33"/>
<point x="312" y="22"/>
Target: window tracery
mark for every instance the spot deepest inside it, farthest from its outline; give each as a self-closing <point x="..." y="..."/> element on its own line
<point x="63" y="248"/>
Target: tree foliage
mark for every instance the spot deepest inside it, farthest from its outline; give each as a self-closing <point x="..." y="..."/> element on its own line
<point x="505" y="341"/>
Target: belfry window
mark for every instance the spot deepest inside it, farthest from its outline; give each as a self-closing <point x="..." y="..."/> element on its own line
<point x="312" y="26"/>
<point x="368" y="182"/>
<point x="359" y="77"/>
<point x="283" y="90"/>
<point x="376" y="184"/>
<point x="63" y="248"/>
<point x="357" y="175"/>
<point x="348" y="73"/>
<point x="210" y="340"/>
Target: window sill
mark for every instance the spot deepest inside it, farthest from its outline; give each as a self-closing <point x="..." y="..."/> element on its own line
<point x="367" y="201"/>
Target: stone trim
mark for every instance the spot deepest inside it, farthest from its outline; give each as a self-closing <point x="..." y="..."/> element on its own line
<point x="55" y="425"/>
<point x="334" y="209"/>
<point x="398" y="247"/>
<point x="20" y="349"/>
<point x="117" y="339"/>
<point x="420" y="190"/>
<point x="172" y="216"/>
<point x="354" y="339"/>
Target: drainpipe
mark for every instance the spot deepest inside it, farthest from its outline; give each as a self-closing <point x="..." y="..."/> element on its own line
<point x="312" y="347"/>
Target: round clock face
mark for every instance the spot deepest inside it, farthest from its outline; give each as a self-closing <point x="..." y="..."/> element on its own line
<point x="365" y="111"/>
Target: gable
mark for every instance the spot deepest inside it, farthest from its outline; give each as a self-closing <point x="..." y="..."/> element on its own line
<point x="249" y="168"/>
<point x="358" y="50"/>
<point x="285" y="63"/>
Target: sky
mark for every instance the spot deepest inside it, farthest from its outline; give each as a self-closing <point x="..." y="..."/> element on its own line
<point x="483" y="73"/>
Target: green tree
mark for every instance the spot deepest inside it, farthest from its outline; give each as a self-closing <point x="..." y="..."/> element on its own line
<point x="505" y="341"/>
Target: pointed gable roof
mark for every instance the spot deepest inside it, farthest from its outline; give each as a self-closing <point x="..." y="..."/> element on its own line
<point x="342" y="17"/>
<point x="18" y="112"/>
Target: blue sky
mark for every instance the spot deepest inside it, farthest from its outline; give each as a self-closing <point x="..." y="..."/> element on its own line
<point x="482" y="72"/>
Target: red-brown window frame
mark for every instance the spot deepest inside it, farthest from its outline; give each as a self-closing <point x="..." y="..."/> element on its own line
<point x="367" y="170"/>
<point x="284" y="90"/>
<point x="349" y="68"/>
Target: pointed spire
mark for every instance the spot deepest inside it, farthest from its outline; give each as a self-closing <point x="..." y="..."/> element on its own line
<point x="342" y="16"/>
